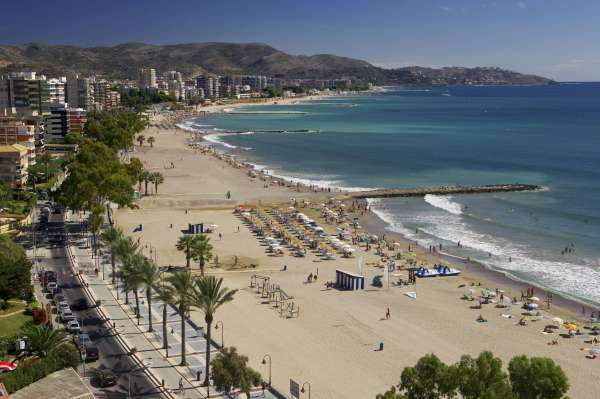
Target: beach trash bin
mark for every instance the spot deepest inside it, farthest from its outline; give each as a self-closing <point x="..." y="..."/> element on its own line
<point x="381" y="346"/>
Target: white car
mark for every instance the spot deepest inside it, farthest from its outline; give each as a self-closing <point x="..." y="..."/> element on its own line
<point x="52" y="286"/>
<point x="66" y="314"/>
<point x="73" y="327"/>
<point x="63" y="305"/>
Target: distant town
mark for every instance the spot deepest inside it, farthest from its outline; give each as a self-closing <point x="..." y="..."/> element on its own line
<point x="38" y="112"/>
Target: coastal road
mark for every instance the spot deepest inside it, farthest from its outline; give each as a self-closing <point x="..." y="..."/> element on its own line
<point x="53" y="256"/>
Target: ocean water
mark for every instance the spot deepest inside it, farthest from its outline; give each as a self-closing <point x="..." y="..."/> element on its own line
<point x="458" y="135"/>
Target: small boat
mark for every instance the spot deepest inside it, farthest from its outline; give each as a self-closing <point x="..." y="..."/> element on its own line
<point x="445" y="271"/>
<point x="423" y="272"/>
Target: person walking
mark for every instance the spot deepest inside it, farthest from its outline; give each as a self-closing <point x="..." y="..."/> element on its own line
<point x="387" y="314"/>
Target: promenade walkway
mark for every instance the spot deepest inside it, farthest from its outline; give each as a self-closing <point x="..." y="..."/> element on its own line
<point x="148" y="346"/>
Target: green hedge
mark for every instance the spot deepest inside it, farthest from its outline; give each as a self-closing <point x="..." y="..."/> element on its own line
<point x="32" y="370"/>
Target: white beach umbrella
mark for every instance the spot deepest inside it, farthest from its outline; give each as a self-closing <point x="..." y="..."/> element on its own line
<point x="557" y="320"/>
<point x="534" y="299"/>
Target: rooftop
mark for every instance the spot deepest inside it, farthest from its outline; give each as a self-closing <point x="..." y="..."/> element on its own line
<point x="65" y="384"/>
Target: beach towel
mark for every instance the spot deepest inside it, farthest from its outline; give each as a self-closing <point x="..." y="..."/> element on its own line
<point x="411" y="294"/>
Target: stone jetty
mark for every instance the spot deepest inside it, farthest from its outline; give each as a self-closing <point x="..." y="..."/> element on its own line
<point x="444" y="190"/>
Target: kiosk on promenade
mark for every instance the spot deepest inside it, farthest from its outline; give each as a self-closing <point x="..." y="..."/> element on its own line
<point x="349" y="281"/>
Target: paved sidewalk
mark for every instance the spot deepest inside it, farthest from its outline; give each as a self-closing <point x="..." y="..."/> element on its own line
<point x="149" y="345"/>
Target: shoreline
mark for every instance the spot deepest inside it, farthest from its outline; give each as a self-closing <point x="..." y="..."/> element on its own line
<point x="480" y="271"/>
<point x="334" y="327"/>
<point x="565" y="303"/>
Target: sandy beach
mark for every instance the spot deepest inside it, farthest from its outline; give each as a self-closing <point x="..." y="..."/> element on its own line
<point x="333" y="342"/>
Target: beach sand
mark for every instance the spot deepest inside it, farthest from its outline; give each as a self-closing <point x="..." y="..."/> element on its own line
<point x="333" y="343"/>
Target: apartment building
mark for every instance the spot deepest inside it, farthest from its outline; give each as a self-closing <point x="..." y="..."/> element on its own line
<point x="25" y="91"/>
<point x="13" y="165"/>
<point x="147" y="78"/>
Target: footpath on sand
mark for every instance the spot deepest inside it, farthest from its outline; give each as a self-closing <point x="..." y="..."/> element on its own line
<point x="147" y="347"/>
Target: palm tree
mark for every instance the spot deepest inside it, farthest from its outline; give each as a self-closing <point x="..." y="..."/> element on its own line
<point x="125" y="249"/>
<point x="140" y="139"/>
<point x="132" y="279"/>
<point x="43" y="340"/>
<point x="151" y="141"/>
<point x="182" y="284"/>
<point x="165" y="295"/>
<point x="145" y="177"/>
<point x="149" y="276"/>
<point x="111" y="236"/>
<point x="45" y="159"/>
<point x="184" y="243"/>
<point x="201" y="250"/>
<point x="141" y="178"/>
<point x="208" y="296"/>
<point x="156" y="178"/>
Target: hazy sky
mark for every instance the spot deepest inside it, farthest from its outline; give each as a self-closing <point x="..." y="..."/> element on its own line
<point x="555" y="38"/>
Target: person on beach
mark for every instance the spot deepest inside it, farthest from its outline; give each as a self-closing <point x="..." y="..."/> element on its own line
<point x="387" y="314"/>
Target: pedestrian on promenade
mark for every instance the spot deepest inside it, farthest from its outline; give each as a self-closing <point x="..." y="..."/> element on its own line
<point x="181" y="385"/>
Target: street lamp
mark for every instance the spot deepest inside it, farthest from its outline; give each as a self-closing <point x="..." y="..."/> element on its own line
<point x="302" y="390"/>
<point x="222" y="331"/>
<point x="264" y="361"/>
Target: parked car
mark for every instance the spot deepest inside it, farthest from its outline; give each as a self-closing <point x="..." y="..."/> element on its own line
<point x="73" y="327"/>
<point x="82" y="340"/>
<point x="66" y="315"/>
<point x="106" y="378"/>
<point x="91" y="352"/>
<point x="58" y="298"/>
<point x="52" y="286"/>
<point x="63" y="305"/>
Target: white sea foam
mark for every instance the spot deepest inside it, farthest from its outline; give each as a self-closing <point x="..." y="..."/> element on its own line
<point x="444" y="202"/>
<point x="577" y="278"/>
<point x="332" y="183"/>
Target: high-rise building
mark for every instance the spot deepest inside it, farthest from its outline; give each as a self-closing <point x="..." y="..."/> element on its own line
<point x="104" y="97"/>
<point x="77" y="120"/>
<point x="56" y="88"/>
<point x="64" y="120"/>
<point x="57" y="123"/>
<point x="147" y="78"/>
<point x="79" y="92"/>
<point x="25" y="91"/>
<point x="210" y="85"/>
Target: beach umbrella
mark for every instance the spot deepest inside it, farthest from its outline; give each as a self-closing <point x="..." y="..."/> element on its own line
<point x="534" y="299"/>
<point x="557" y="320"/>
<point x="595" y="351"/>
<point x="571" y="326"/>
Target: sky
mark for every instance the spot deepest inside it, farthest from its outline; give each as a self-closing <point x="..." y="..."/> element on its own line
<point x="559" y="39"/>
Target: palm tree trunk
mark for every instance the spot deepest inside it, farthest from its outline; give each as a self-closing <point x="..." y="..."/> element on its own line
<point x="208" y="331"/>
<point x="112" y="263"/>
<point x="137" y="306"/>
<point x="202" y="265"/>
<point x="183" y="361"/>
<point x="145" y="187"/>
<point x="155" y="188"/>
<point x="149" y="300"/>
<point x="126" y="296"/>
<point x="187" y="258"/>
<point x="165" y="342"/>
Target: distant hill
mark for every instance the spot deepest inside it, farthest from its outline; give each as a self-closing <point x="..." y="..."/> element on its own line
<point x="124" y="60"/>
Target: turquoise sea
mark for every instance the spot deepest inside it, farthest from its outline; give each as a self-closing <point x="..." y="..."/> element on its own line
<point x="547" y="135"/>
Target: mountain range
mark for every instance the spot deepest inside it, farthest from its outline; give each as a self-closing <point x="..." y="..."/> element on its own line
<point x="124" y="60"/>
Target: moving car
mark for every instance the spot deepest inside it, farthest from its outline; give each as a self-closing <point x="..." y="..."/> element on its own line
<point x="73" y="327"/>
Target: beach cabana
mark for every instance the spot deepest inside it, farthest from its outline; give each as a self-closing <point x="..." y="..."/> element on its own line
<point x="349" y="281"/>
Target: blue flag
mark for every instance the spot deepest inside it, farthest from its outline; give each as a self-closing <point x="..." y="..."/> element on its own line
<point x="138" y="228"/>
